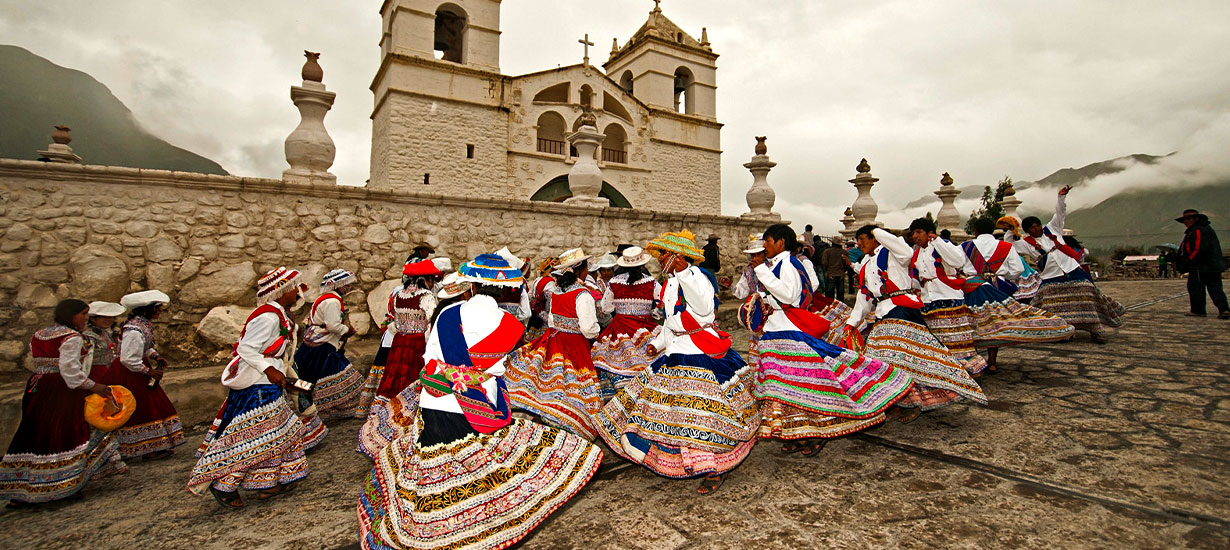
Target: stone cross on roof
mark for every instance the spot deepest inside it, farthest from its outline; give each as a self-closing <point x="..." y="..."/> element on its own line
<point x="586" y="43"/>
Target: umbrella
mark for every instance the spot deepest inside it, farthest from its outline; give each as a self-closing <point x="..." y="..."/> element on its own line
<point x="1170" y="246"/>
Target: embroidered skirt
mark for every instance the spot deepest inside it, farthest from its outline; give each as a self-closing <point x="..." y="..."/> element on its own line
<point x="155" y="425"/>
<point x="1001" y="320"/>
<point x="841" y="390"/>
<point x="952" y="323"/>
<point x="389" y="420"/>
<point x="621" y="351"/>
<point x="338" y="383"/>
<point x="55" y="451"/>
<point x="1027" y="287"/>
<point x="482" y="491"/>
<point x="255" y="442"/>
<point x="903" y="341"/>
<point x="398" y="357"/>
<point x="835" y="312"/>
<point x="1075" y="298"/>
<point x="685" y="416"/>
<point x="554" y="378"/>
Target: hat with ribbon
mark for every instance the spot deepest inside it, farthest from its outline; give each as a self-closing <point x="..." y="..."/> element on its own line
<point x="452" y="286"/>
<point x="682" y="243"/>
<point x="336" y="279"/>
<point x="144" y="298"/>
<point x="570" y="258"/>
<point x="422" y="268"/>
<point x="106" y="309"/>
<point x="276" y="284"/>
<point x="633" y="256"/>
<point x="754" y="244"/>
<point x="547" y="264"/>
<point x="606" y="261"/>
<point x="490" y="269"/>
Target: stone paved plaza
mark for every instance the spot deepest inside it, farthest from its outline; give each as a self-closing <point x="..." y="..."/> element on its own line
<point x="1083" y="446"/>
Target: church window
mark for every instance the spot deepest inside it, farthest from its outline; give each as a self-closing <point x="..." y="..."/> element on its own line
<point x="587" y="96"/>
<point x="426" y="179"/>
<point x="557" y="93"/>
<point x="551" y="133"/>
<point x="625" y="81"/>
<point x="613" y="106"/>
<point x="557" y="190"/>
<point x="614" y="148"/>
<point x="679" y="37"/>
<point x="449" y="40"/>
<point x="685" y="85"/>
<point x="469" y="150"/>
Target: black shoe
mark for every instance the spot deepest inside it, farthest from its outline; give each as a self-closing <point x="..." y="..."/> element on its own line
<point x="1224" y="315"/>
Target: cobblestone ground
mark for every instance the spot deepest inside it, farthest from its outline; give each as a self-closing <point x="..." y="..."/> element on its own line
<point x="1083" y="446"/>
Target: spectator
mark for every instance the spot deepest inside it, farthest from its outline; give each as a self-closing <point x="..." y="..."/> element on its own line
<point x="835" y="263"/>
<point x="855" y="256"/>
<point x="1201" y="258"/>
<point x="806" y="237"/>
<point x="713" y="258"/>
<point x="1161" y="265"/>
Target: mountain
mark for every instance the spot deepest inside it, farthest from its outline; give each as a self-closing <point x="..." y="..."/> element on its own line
<point x="1145" y="218"/>
<point x="36" y="95"/>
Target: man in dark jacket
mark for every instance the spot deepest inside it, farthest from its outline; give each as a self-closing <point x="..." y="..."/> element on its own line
<point x="1201" y="258"/>
<point x="713" y="258"/>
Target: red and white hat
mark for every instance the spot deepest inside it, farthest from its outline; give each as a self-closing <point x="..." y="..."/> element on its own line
<point x="421" y="268"/>
<point x="277" y="283"/>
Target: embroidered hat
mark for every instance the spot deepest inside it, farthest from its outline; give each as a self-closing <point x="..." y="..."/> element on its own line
<point x="682" y="243"/>
<point x="106" y="309"/>
<point x="490" y="269"/>
<point x="422" y="268"/>
<point x="547" y="264"/>
<point x="633" y="256"/>
<point x="452" y="286"/>
<point x="144" y="298"/>
<point x="443" y="263"/>
<point x="570" y="258"/>
<point x="336" y="279"/>
<point x="754" y="244"/>
<point x="275" y="284"/>
<point x="508" y="256"/>
<point x="606" y="261"/>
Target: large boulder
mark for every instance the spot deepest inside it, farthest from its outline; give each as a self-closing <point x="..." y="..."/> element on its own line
<point x="98" y="273"/>
<point x="227" y="285"/>
<point x="221" y="326"/>
<point x="378" y="301"/>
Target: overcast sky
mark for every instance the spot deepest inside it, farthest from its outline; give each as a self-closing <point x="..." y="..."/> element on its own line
<point x="980" y="89"/>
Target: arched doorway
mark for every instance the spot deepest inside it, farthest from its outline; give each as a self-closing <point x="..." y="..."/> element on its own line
<point x="556" y="190"/>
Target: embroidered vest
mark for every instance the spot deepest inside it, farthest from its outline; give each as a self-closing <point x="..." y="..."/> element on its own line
<point x="144" y="327"/>
<point x="104" y="342"/>
<point x="408" y="316"/>
<point x="564" y="310"/>
<point x="633" y="299"/>
<point x="45" y="348"/>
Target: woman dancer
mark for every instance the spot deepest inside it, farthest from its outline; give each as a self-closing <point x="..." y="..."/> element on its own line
<point x="622" y="348"/>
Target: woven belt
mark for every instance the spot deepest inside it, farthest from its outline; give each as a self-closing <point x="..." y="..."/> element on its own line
<point x="635" y="309"/>
<point x="566" y="324"/>
<point x="713" y="325"/>
<point x="896" y="293"/>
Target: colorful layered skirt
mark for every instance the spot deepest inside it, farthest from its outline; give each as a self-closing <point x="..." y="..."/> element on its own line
<point x="445" y="486"/>
<point x="55" y="452"/>
<point x="902" y="340"/>
<point x="394" y="371"/>
<point x="337" y="382"/>
<point x="810" y="388"/>
<point x="835" y="313"/>
<point x="1000" y="320"/>
<point x="685" y="416"/>
<point x="554" y="378"/>
<point x="1075" y="298"/>
<point x="155" y="425"/>
<point x="621" y="351"/>
<point x="952" y="323"/>
<point x="390" y="420"/>
<point x="1027" y="286"/>
<point x="255" y="442"/>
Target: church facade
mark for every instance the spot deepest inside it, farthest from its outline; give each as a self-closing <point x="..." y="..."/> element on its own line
<point x="446" y="121"/>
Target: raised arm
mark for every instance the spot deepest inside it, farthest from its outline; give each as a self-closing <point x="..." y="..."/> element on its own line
<point x="1061" y="211"/>
<point x="901" y="250"/>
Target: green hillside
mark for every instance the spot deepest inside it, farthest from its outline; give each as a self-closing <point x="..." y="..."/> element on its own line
<point x="1146" y="218"/>
<point x="36" y="95"/>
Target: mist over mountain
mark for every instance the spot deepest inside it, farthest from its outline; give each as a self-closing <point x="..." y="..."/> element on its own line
<point x="36" y="95"/>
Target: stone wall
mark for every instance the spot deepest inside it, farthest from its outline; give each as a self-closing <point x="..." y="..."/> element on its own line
<point x="98" y="232"/>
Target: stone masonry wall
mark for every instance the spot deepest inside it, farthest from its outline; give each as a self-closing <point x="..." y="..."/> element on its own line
<point x="98" y="232"/>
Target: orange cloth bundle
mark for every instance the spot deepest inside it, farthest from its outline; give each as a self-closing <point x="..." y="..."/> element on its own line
<point x="102" y="413"/>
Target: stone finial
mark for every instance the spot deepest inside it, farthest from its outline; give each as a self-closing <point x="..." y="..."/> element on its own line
<point x="312" y="71"/>
<point x="865" y="208"/>
<point x="761" y="148"/>
<point x="1010" y="203"/>
<point x="863" y="167"/>
<point x="704" y="37"/>
<point x="588" y="118"/>
<point x="849" y="211"/>
<point x="585" y="176"/>
<point x="58" y="150"/>
<point x="847" y="222"/>
<point x="1009" y="191"/>
<point x="614" y="46"/>
<point x="945" y="180"/>
<point x="760" y="197"/>
<point x="657" y="8"/>
<point x="948" y="217"/>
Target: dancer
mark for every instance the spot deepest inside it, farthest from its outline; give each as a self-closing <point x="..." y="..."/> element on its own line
<point x="154" y="429"/>
<point x="55" y="451"/>
<point x="935" y="267"/>
<point x="256" y="440"/>
<point x="1067" y="289"/>
<point x="899" y="336"/>
<point x="553" y="376"/>
<point x="692" y="412"/>
<point x="469" y="475"/>
<point x="747" y="287"/>
<point x="103" y="337"/>
<point x="321" y="357"/>
<point x="622" y="348"/>
<point x="410" y="306"/>
<point x="516" y="299"/>
<point x="540" y="291"/>
<point x="809" y="390"/>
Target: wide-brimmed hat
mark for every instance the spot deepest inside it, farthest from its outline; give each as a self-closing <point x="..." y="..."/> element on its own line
<point x="570" y="258"/>
<point x="836" y="239"/>
<point x="605" y="261"/>
<point x="422" y="268"/>
<point x="755" y="244"/>
<point x="1191" y="212"/>
<point x="443" y="263"/>
<point x="452" y="286"/>
<point x="336" y="279"/>
<point x="548" y="263"/>
<point x="100" y="412"/>
<point x="106" y="309"/>
<point x="713" y="237"/>
<point x="682" y="243"/>
<point x="490" y="269"/>
<point x="423" y="245"/>
<point x="513" y="260"/>
<point x="144" y="298"/>
<point x="276" y="284"/>
<point x="633" y="256"/>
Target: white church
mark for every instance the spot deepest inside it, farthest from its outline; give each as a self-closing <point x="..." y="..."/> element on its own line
<point x="447" y="121"/>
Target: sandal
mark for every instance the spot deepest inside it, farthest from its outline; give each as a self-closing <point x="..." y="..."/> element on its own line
<point x="793" y="446"/>
<point x="710" y="484"/>
<point x="908" y="415"/>
<point x="226" y="499"/>
<point x="266" y="494"/>
<point x="813" y="447"/>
